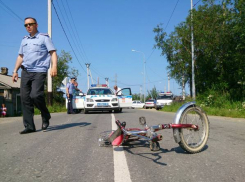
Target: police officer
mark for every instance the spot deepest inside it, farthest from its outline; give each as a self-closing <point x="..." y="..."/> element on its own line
<point x="70" y="89"/>
<point x="35" y="53"/>
<point x="117" y="90"/>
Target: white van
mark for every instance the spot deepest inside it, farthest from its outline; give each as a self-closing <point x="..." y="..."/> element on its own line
<point x="163" y="98"/>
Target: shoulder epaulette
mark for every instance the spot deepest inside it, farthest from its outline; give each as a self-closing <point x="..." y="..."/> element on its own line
<point x="25" y="36"/>
<point x="45" y="34"/>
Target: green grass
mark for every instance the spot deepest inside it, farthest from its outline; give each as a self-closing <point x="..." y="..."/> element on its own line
<point x="56" y="107"/>
<point x="227" y="109"/>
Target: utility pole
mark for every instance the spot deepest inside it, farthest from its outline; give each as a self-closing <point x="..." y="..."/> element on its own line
<point x="115" y="79"/>
<point x="192" y="55"/>
<point x="106" y="82"/>
<point x="140" y="92"/>
<point x="49" y="78"/>
<point x="144" y="68"/>
<point x="183" y="87"/>
<point x="168" y="83"/>
<point x="91" y="77"/>
<point x="87" y="65"/>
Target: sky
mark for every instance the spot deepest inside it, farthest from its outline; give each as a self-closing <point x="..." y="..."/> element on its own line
<point x="102" y="33"/>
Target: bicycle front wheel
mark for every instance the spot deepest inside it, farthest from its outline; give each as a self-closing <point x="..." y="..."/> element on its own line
<point x="194" y="140"/>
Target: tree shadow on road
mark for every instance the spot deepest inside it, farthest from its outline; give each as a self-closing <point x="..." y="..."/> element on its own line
<point x="67" y="125"/>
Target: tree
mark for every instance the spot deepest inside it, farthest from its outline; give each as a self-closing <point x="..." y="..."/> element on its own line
<point x="152" y="94"/>
<point x="136" y="96"/>
<point x="63" y="70"/>
<point x="177" y="49"/>
<point x="219" y="39"/>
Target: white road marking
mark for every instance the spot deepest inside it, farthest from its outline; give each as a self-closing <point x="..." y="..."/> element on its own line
<point x="121" y="171"/>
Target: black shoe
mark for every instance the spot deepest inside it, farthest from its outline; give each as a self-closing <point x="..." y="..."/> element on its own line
<point x="27" y="130"/>
<point x="71" y="113"/>
<point x="45" y="125"/>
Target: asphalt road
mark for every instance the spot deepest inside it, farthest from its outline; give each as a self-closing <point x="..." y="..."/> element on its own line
<point x="69" y="151"/>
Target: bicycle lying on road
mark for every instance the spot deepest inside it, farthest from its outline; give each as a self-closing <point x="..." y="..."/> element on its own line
<point x="190" y="131"/>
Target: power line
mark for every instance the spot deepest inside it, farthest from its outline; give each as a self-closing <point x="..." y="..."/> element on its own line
<point x="167" y="24"/>
<point x="71" y="28"/>
<point x="12" y="11"/>
<point x="196" y="3"/>
<point x="150" y="55"/>
<point x="166" y="28"/>
<point x="67" y="37"/>
<point x="78" y="45"/>
<point x="71" y="35"/>
<point x="76" y="30"/>
<point x="155" y="72"/>
<point x="171" y="15"/>
<point x="75" y="34"/>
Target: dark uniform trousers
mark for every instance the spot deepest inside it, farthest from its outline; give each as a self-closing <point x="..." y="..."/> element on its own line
<point x="32" y="93"/>
<point x="69" y="104"/>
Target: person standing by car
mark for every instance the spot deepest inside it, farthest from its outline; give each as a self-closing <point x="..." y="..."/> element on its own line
<point x="117" y="90"/>
<point x="35" y="53"/>
<point x="70" y="90"/>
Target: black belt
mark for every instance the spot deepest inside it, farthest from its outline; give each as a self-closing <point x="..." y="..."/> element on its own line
<point x="23" y="67"/>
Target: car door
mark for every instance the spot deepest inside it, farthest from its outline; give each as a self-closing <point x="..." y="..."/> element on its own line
<point x="139" y="104"/>
<point x="125" y="99"/>
<point x="78" y="101"/>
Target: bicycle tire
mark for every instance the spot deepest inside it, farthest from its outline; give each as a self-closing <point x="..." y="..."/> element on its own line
<point x="104" y="138"/>
<point x="191" y="140"/>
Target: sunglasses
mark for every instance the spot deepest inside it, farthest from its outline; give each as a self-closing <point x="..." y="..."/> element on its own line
<point x="29" y="24"/>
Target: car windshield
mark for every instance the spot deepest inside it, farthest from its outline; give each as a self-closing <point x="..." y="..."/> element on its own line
<point x="99" y="91"/>
<point x="165" y="97"/>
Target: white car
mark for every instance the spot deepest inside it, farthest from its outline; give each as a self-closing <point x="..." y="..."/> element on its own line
<point x="137" y="104"/>
<point x="149" y="104"/>
<point x="77" y="102"/>
<point x="102" y="98"/>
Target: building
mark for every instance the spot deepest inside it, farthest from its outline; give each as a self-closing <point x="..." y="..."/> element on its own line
<point x="10" y="93"/>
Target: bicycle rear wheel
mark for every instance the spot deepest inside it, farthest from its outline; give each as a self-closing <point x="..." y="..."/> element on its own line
<point x="192" y="140"/>
<point x="104" y="138"/>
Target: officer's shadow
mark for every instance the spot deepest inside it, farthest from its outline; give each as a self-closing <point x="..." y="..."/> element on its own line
<point x="67" y="125"/>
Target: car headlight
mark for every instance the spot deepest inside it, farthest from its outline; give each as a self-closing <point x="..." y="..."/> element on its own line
<point x="114" y="99"/>
<point x="89" y="100"/>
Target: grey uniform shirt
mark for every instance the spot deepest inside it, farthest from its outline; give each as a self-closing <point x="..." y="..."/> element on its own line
<point x="35" y="51"/>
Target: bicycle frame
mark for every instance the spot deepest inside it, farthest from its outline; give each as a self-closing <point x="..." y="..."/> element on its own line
<point x="151" y="131"/>
<point x="190" y="130"/>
